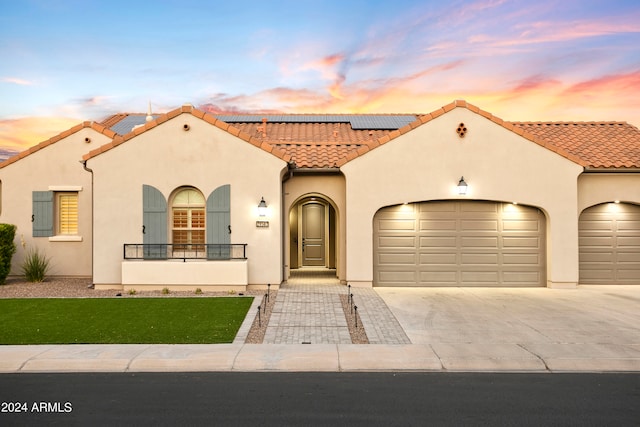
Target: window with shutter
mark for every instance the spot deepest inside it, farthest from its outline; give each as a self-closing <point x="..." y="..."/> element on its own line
<point x="67" y="209"/>
<point x="55" y="213"/>
<point x="42" y="214"/>
<point x="219" y="223"/>
<point x="154" y="223"/>
<point x="188" y="220"/>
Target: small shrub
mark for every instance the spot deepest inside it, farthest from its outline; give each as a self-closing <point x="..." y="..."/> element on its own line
<point x="7" y="249"/>
<point x="165" y="291"/>
<point x="132" y="292"/>
<point x="198" y="291"/>
<point x="35" y="266"/>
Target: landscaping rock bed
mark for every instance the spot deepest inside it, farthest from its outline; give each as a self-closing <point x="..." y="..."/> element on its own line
<point x="80" y="288"/>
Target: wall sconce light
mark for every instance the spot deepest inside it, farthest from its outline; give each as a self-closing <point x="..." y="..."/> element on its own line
<point x="462" y="187"/>
<point x="262" y="208"/>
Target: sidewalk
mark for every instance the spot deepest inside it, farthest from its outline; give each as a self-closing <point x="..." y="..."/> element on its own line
<point x="589" y="329"/>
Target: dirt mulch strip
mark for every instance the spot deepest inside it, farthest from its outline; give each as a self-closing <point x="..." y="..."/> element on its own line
<point x="259" y="325"/>
<point x="354" y="323"/>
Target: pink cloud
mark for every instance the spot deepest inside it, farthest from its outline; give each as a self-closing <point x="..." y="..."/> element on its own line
<point x="628" y="83"/>
<point x="17" y="81"/>
<point x="551" y="31"/>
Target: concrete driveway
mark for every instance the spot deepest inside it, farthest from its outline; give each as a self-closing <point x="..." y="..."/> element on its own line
<point x="557" y="326"/>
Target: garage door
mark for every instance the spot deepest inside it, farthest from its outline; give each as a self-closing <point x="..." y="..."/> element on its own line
<point x="610" y="244"/>
<point x="459" y="243"/>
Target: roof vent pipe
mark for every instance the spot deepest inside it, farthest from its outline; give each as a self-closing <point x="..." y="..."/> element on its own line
<point x="149" y="116"/>
<point x="264" y="127"/>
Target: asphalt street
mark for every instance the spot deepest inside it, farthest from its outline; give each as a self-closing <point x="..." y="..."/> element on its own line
<point x="287" y="398"/>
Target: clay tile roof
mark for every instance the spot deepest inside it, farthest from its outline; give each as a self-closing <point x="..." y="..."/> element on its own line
<point x="317" y="155"/>
<point x="598" y="144"/>
<point x="313" y="145"/>
<point x="331" y="140"/>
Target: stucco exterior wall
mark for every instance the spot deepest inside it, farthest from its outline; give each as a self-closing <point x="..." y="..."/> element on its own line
<point x="205" y="157"/>
<point x="185" y="276"/>
<point x="499" y="165"/>
<point x="53" y="167"/>
<point x="331" y="188"/>
<point x="596" y="188"/>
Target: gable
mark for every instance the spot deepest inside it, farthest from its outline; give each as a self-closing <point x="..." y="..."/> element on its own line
<point x="440" y="144"/>
<point x="101" y="129"/>
<point x="188" y="109"/>
<point x="427" y="118"/>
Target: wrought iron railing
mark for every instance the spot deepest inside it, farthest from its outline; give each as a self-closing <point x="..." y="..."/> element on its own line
<point x="212" y="252"/>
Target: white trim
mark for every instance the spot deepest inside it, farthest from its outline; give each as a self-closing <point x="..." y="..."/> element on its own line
<point x="63" y="238"/>
<point x="65" y="188"/>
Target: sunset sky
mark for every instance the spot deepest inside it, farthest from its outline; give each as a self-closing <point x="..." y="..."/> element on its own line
<point x="63" y="62"/>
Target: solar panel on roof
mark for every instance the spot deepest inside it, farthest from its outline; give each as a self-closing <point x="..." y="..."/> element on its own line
<point x="127" y="124"/>
<point x="381" y="122"/>
<point x="357" y="121"/>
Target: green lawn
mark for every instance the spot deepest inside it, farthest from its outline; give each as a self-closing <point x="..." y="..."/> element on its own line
<point x="121" y="320"/>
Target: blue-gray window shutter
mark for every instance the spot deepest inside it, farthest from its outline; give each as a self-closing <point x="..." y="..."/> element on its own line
<point x="219" y="223"/>
<point x="154" y="223"/>
<point x="42" y="214"/>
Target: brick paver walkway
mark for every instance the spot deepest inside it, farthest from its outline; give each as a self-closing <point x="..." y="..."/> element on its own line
<point x="308" y="310"/>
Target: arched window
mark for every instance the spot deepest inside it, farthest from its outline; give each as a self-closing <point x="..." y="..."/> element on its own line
<point x="188" y="213"/>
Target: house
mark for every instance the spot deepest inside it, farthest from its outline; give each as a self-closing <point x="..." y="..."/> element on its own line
<point x="456" y="197"/>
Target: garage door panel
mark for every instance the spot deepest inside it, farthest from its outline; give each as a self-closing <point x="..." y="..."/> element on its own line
<point x="628" y="274"/>
<point x="441" y="206"/>
<point x="521" y="242"/>
<point x="398" y="276"/>
<point x="520" y="225"/>
<point x="596" y="257"/>
<point x="489" y="259"/>
<point x="439" y="278"/>
<point x="609" y="237"/>
<point x="438" y="259"/>
<point x="600" y="276"/>
<point x="397" y="258"/>
<point x="470" y="224"/>
<point x="521" y="277"/>
<point x="397" y="242"/>
<point x="438" y="242"/>
<point x="479" y="277"/>
<point x="629" y="257"/>
<point x="480" y="242"/>
<point x="437" y="225"/>
<point x="462" y="243"/>
<point x="396" y="224"/>
<point x="628" y="225"/>
<point x="622" y="242"/>
<point x="592" y="241"/>
<point x="521" y="259"/>
<point x="478" y="208"/>
<point x="596" y="225"/>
